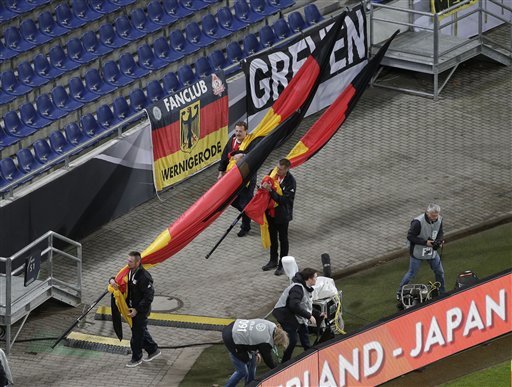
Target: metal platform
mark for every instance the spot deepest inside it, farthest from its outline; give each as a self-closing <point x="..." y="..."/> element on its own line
<point x="35" y="274"/>
<point x="433" y="49"/>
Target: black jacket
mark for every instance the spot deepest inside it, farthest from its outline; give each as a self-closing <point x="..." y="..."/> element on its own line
<point x="140" y="291"/>
<point x="414" y="231"/>
<point x="286" y="314"/>
<point x="284" y="211"/>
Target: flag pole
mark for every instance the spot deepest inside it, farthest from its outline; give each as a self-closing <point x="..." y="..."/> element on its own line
<point x="225" y="235"/>
<point x="80" y="318"/>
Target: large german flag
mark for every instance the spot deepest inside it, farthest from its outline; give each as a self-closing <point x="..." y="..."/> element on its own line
<point x="280" y="122"/>
<point x="318" y="135"/>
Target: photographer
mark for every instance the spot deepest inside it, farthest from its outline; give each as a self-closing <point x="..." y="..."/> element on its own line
<point x="425" y="237"/>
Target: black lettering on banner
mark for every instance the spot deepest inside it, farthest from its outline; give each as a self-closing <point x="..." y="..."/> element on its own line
<point x="269" y="73"/>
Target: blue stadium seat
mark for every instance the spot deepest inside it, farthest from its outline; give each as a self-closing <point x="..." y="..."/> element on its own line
<point x="103" y="6"/>
<point x="11" y="84"/>
<point x="90" y="126"/>
<point x="267" y="36"/>
<point x="251" y="45"/>
<point x="142" y="23"/>
<point x="66" y="18"/>
<point x="263" y="8"/>
<point x="217" y="60"/>
<point x="296" y="22"/>
<point x="212" y="29"/>
<point x="121" y="108"/>
<point x="104" y="117"/>
<point x="114" y="76"/>
<point x="27" y="75"/>
<point x="5" y="98"/>
<point x="15" y="41"/>
<point x="47" y="109"/>
<point x="43" y="68"/>
<point x="164" y="51"/>
<point x="195" y="36"/>
<point x="63" y="101"/>
<point x="171" y="83"/>
<point x="95" y="83"/>
<point x="29" y="116"/>
<point x="122" y="3"/>
<point x="74" y="134"/>
<point x="228" y="22"/>
<point x="48" y="26"/>
<point x="148" y="60"/>
<point x="234" y="53"/>
<point x="154" y="91"/>
<point x="126" y="30"/>
<point x="93" y="46"/>
<point x="6" y="139"/>
<point x="9" y="170"/>
<point x="312" y="14"/>
<point x="186" y="75"/>
<point x="281" y="4"/>
<point x="202" y="67"/>
<point x="60" y="61"/>
<point x="174" y="8"/>
<point x="82" y="11"/>
<point x="77" y="52"/>
<point x="79" y="92"/>
<point x="31" y="33"/>
<point x="109" y="38"/>
<point x="180" y="44"/>
<point x="131" y="69"/>
<point x="14" y="127"/>
<point x="58" y="142"/>
<point x="193" y="5"/>
<point x="282" y="29"/>
<point x="244" y="13"/>
<point x="6" y="53"/>
<point x="42" y="151"/>
<point x="5" y="13"/>
<point x="157" y="14"/>
<point x="26" y="161"/>
<point x="19" y="6"/>
<point x="138" y="100"/>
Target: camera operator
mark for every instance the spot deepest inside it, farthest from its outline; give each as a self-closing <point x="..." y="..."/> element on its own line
<point x="425" y="237"/>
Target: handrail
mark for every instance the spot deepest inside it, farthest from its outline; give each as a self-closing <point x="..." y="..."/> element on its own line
<point x="502" y="5"/>
<point x="406" y="10"/>
<point x="453" y="7"/>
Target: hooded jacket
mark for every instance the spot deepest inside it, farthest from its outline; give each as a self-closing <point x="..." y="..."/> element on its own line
<point x="295" y="305"/>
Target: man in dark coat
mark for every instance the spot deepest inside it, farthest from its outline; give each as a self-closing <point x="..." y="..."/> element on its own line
<point x="282" y="215"/>
<point x="140" y="297"/>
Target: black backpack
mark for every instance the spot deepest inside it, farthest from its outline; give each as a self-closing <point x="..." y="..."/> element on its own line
<point x="466" y="278"/>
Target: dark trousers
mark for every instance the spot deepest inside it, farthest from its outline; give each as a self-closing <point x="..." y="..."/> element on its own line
<point x="141" y="339"/>
<point x="278" y="237"/>
<point x="292" y="331"/>
<point x="244" y="197"/>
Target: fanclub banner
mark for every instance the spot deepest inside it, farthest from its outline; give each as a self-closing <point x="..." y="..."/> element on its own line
<point x="189" y="130"/>
<point x="408" y="342"/>
<point x="268" y="74"/>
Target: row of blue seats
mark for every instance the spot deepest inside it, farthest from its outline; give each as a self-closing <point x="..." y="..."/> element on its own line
<point x="10" y="9"/>
<point x="46" y="69"/>
<point x="29" y="35"/>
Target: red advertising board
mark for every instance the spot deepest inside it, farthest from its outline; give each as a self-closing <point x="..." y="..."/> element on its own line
<point x="408" y="342"/>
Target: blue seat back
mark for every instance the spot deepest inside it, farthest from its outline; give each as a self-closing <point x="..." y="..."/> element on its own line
<point x="74" y="134"/>
<point x="178" y="41"/>
<point x="41" y="65"/>
<point x="58" y="142"/>
<point x="28" y="30"/>
<point x="93" y="80"/>
<point x="121" y="108"/>
<point x="312" y="14"/>
<point x="104" y="116"/>
<point x="138" y="100"/>
<point x="193" y="32"/>
<point x="28" y="113"/>
<point x="234" y="52"/>
<point x="203" y="67"/>
<point x="12" y="123"/>
<point x="171" y="83"/>
<point x="8" y="169"/>
<point x="154" y="91"/>
<point x="75" y="48"/>
<point x="296" y="21"/>
<point x="45" y="105"/>
<point x="111" y="71"/>
<point x="217" y="60"/>
<point x="26" y="160"/>
<point x="267" y="36"/>
<point x="89" y="125"/>
<point x="282" y="29"/>
<point x="209" y="24"/>
<point x="146" y="55"/>
<point x="186" y="75"/>
<point x="251" y="44"/>
<point x="25" y="72"/>
<point x="64" y="15"/>
<point x="43" y="152"/>
<point x="60" y="96"/>
<point x="225" y="17"/>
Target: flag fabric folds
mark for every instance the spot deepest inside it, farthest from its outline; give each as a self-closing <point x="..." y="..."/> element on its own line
<point x="319" y="134"/>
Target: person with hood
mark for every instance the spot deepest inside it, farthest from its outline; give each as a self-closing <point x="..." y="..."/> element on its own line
<point x="248" y="341"/>
<point x="294" y="309"/>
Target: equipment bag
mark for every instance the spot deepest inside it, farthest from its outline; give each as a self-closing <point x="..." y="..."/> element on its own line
<point x="466" y="278"/>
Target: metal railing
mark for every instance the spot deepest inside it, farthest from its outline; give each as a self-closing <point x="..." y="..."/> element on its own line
<point x="59" y="276"/>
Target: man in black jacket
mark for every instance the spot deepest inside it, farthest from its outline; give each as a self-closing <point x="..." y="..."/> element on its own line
<point x="278" y="221"/>
<point x="232" y="151"/>
<point x="294" y="309"/>
<point x="140" y="297"/>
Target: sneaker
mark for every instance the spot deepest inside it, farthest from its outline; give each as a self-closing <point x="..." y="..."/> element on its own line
<point x="242" y="233"/>
<point x="154" y="355"/>
<point x="134" y="363"/>
<point x="279" y="271"/>
<point x="269" y="266"/>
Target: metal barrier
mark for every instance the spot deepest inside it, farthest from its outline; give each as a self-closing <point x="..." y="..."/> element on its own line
<point x="430" y="48"/>
<point x="36" y="273"/>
